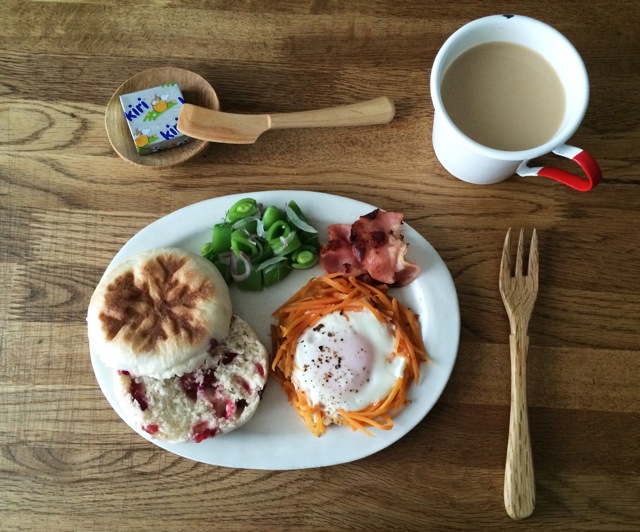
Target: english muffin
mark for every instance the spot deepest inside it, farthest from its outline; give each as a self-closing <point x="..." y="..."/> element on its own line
<point x="215" y="398"/>
<point x="157" y="313"/>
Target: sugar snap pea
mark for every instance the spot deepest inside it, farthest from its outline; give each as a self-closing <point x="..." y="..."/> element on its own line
<point x="257" y="246"/>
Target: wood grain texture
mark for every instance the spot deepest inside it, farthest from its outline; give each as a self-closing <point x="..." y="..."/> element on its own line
<point x="237" y="128"/>
<point x="68" y="203"/>
<point x="519" y="288"/>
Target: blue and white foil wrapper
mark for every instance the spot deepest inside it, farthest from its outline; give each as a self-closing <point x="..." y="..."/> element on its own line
<point x="152" y="116"/>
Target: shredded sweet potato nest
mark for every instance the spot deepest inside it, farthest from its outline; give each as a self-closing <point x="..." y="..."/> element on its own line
<point x="334" y="293"/>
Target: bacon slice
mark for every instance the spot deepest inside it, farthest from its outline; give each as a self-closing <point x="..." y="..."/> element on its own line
<point x="340" y="232"/>
<point x="373" y="245"/>
<point x="336" y="256"/>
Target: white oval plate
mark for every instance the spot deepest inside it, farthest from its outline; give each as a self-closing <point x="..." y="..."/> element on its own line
<point x="276" y="438"/>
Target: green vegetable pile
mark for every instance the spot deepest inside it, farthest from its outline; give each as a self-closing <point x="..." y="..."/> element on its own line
<point x="256" y="247"/>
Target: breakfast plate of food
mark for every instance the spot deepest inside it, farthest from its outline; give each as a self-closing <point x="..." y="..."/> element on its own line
<point x="239" y="375"/>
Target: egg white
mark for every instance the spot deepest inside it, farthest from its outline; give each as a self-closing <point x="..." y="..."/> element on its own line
<point x="345" y="361"/>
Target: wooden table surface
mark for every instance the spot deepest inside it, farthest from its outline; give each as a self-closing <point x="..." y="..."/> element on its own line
<point x="68" y="203"/>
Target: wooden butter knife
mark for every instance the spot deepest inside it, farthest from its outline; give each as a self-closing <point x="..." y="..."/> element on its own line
<point x="230" y="128"/>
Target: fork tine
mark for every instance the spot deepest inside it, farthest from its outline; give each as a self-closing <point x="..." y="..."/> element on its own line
<point x="533" y="258"/>
<point x="505" y="264"/>
<point x="518" y="270"/>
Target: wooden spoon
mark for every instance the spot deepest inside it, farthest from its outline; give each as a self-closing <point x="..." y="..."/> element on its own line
<point x="215" y="126"/>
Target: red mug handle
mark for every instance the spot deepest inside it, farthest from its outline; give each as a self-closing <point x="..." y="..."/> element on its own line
<point x="586" y="162"/>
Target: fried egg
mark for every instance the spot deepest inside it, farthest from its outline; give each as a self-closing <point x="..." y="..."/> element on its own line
<point x="346" y="361"/>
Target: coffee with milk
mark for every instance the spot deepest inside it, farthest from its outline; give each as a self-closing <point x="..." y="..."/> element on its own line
<point x="504" y="96"/>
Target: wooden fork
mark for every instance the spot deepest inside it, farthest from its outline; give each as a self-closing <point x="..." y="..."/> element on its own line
<point x="519" y="293"/>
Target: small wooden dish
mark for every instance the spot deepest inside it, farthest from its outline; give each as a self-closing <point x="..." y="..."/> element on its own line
<point x="195" y="90"/>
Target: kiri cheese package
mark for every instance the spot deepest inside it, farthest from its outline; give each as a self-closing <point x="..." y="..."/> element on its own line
<point x="152" y="116"/>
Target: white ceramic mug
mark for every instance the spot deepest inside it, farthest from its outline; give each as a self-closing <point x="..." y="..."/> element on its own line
<point x="475" y="163"/>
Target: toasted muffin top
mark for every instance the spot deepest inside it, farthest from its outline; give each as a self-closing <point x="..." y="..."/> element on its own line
<point x="156" y="313"/>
